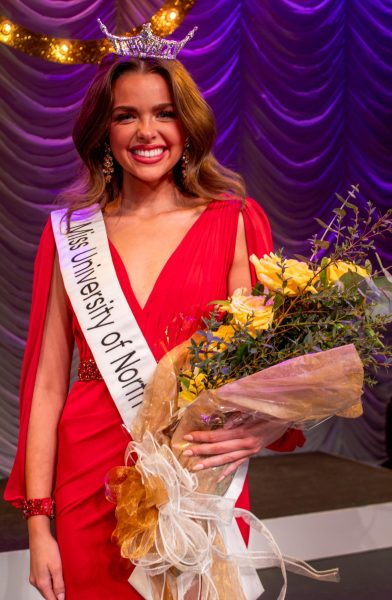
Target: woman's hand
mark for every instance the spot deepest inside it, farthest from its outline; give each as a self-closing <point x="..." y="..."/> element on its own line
<point x="46" y="572"/>
<point x="232" y="446"/>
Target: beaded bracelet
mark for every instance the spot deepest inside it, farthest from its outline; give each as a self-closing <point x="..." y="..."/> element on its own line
<point x="38" y="506"/>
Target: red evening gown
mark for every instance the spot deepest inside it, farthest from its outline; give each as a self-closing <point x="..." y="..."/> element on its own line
<point x="91" y="439"/>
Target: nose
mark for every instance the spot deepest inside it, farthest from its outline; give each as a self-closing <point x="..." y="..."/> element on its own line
<point x="145" y="129"/>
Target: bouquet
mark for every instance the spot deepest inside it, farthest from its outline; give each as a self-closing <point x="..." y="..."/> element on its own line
<point x="290" y="354"/>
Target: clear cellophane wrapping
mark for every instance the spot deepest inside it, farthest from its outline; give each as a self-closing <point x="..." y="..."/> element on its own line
<point x="299" y="392"/>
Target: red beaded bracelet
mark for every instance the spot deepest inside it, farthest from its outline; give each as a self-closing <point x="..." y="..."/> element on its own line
<point x="38" y="506"/>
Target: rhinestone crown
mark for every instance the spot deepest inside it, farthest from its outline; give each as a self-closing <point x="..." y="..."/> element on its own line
<point x="146" y="44"/>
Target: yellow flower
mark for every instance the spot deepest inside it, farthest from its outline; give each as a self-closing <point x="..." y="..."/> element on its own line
<point x="225" y="334"/>
<point x="271" y="270"/>
<point x="249" y="308"/>
<point x="197" y="383"/>
<point x="337" y="269"/>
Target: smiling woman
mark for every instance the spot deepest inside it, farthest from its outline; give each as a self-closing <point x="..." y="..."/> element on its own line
<point x="146" y="132"/>
<point x="108" y="110"/>
<point x="156" y="230"/>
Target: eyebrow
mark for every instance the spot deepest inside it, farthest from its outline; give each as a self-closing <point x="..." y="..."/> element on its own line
<point x="157" y="107"/>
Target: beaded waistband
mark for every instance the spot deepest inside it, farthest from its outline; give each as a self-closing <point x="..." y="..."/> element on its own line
<point x="88" y="370"/>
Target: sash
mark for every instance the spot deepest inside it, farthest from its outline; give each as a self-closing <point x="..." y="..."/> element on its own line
<point x="120" y="350"/>
<point x="108" y="324"/>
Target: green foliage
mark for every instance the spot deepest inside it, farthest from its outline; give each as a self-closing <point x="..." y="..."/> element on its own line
<point x="354" y="309"/>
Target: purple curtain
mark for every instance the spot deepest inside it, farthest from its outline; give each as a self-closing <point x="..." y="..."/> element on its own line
<point x="302" y="94"/>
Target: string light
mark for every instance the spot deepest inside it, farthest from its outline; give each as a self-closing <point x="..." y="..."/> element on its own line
<point x="60" y="52"/>
<point x="164" y="22"/>
<point x="6" y="28"/>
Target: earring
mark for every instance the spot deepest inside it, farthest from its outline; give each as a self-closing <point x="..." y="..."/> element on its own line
<point x="108" y="168"/>
<point x="185" y="159"/>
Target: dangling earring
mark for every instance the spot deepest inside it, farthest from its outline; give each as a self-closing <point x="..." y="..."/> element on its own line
<point x="185" y="159"/>
<point x="108" y="168"/>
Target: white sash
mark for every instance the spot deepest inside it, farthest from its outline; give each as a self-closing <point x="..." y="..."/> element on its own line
<point x="119" y="348"/>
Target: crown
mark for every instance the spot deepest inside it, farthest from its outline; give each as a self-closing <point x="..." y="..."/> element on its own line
<point x="146" y="44"/>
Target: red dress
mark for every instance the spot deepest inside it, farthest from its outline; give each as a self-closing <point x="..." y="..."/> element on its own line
<point x="91" y="439"/>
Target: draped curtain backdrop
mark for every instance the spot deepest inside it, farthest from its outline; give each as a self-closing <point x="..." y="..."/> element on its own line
<point x="301" y="90"/>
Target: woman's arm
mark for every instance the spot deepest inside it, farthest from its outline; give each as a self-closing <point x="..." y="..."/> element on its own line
<point x="50" y="391"/>
<point x="234" y="446"/>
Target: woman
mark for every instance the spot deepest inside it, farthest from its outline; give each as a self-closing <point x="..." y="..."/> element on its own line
<point x="180" y="233"/>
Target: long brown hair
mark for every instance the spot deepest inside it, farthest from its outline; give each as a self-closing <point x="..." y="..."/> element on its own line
<point x="205" y="176"/>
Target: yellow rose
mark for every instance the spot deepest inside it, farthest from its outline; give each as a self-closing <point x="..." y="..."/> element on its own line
<point x="252" y="308"/>
<point x="336" y="269"/>
<point x="296" y="274"/>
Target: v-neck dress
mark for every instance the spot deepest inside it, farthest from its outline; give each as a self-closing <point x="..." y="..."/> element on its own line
<point x="91" y="438"/>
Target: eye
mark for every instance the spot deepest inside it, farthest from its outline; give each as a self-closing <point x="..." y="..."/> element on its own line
<point x="124" y="117"/>
<point x="167" y="114"/>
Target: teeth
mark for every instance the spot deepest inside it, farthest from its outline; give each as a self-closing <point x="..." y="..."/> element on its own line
<point x="148" y="153"/>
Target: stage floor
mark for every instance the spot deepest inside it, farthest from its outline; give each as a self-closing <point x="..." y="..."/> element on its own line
<point x="330" y="510"/>
<point x="293" y="484"/>
<point x="318" y="505"/>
